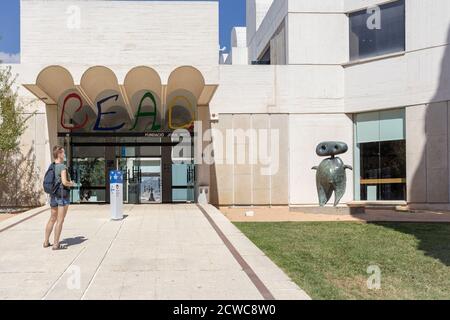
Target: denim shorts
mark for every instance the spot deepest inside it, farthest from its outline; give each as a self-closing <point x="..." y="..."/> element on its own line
<point x="58" y="202"/>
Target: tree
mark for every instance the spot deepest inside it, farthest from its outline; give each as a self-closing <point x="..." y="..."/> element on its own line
<point x="16" y="173"/>
<point x="12" y="118"/>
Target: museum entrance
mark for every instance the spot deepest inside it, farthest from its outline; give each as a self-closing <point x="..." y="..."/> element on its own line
<point x="142" y="180"/>
<point x="154" y="171"/>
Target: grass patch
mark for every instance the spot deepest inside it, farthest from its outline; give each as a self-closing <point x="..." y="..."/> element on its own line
<point x="329" y="260"/>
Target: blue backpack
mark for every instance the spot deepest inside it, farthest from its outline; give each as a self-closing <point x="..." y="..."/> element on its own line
<point x="50" y="180"/>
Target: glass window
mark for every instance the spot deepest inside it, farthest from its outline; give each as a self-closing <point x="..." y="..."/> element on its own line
<point x="90" y="172"/>
<point x="380" y="170"/>
<point x="183" y="195"/>
<point x="183" y="181"/>
<point x="370" y="38"/>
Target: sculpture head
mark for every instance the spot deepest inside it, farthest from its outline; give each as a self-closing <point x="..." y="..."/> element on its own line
<point x="331" y="148"/>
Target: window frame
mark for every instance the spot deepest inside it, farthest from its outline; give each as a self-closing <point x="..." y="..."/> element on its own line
<point x="375" y="56"/>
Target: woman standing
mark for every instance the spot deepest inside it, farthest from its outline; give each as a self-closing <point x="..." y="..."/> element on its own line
<point x="60" y="200"/>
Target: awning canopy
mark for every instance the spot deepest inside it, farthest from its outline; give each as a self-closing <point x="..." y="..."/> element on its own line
<point x="53" y="81"/>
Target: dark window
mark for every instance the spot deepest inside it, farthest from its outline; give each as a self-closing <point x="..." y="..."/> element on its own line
<point x="369" y="39"/>
<point x="264" y="59"/>
<point x="383" y="170"/>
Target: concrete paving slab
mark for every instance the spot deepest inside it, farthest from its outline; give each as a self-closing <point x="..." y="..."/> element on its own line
<point x="276" y="281"/>
<point x="156" y="252"/>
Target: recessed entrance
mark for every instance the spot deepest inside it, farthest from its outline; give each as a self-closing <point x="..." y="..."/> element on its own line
<point x="100" y="121"/>
<point x="153" y="172"/>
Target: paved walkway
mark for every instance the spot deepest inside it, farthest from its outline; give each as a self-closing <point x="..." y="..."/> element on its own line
<point x="156" y="252"/>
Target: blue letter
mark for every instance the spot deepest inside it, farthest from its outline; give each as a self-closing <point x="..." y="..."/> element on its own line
<point x="100" y="114"/>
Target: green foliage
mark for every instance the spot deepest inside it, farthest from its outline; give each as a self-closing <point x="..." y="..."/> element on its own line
<point x="12" y="119"/>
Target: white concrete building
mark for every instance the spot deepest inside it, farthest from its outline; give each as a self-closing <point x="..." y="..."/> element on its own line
<point x="372" y="73"/>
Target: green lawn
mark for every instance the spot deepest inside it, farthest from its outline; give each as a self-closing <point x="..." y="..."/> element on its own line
<point x="329" y="260"/>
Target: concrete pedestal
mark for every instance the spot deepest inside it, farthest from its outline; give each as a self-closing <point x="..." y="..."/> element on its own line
<point x="343" y="210"/>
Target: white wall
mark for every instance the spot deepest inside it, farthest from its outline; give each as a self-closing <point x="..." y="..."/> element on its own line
<point x="318" y="34"/>
<point x="239" y="49"/>
<point x="119" y="35"/>
<point x="427" y="156"/>
<point x="306" y="132"/>
<point x="259" y="39"/>
<point x="317" y="31"/>
<point x="256" y="11"/>
<point x="116" y="32"/>
<point x="316" y="38"/>
<point x="283" y="89"/>
<point x="322" y="6"/>
<point x="310" y="97"/>
<point x="419" y="76"/>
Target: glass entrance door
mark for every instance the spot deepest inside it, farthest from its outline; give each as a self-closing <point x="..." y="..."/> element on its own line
<point x="142" y="183"/>
<point x="150" y="181"/>
<point x="88" y="168"/>
<point x="183" y="182"/>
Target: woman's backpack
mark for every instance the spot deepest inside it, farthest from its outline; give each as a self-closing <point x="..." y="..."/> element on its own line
<point x="50" y="180"/>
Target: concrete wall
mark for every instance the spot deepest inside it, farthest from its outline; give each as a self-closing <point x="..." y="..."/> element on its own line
<point x="256" y="12"/>
<point x="316" y="38"/>
<point x="317" y="31"/>
<point x="317" y="34"/>
<point x="294" y="181"/>
<point x="119" y="35"/>
<point x="306" y="132"/>
<point x="427" y="156"/>
<point x="305" y="103"/>
<point x="259" y="39"/>
<point x="279" y="89"/>
<point x="239" y="50"/>
<point x="117" y="32"/>
<point x="237" y="182"/>
<point x="416" y="77"/>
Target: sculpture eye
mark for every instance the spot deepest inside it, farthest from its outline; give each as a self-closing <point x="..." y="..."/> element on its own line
<point x="323" y="148"/>
<point x="336" y="147"/>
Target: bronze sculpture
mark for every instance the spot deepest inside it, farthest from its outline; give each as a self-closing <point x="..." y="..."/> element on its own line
<point x="330" y="175"/>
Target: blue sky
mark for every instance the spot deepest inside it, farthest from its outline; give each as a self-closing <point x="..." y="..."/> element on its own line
<point x="9" y="31"/>
<point x="232" y="13"/>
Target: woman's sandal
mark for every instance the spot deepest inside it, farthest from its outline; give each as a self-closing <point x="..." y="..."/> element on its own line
<point x="60" y="247"/>
<point x="47" y="245"/>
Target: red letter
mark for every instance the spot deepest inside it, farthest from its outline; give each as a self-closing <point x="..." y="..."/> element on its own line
<point x="75" y="96"/>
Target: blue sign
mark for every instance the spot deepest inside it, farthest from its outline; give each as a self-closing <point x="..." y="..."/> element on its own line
<point x="115" y="176"/>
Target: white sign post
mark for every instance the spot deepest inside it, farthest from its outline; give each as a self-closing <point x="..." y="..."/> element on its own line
<point x="116" y="194"/>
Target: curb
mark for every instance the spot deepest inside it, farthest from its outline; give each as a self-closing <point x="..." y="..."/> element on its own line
<point x="278" y="284"/>
<point x="22" y="217"/>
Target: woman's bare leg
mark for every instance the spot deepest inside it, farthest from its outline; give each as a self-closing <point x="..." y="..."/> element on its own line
<point x="50" y="224"/>
<point x="62" y="211"/>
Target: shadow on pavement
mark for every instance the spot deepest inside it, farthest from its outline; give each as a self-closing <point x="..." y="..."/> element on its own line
<point x="74" y="241"/>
